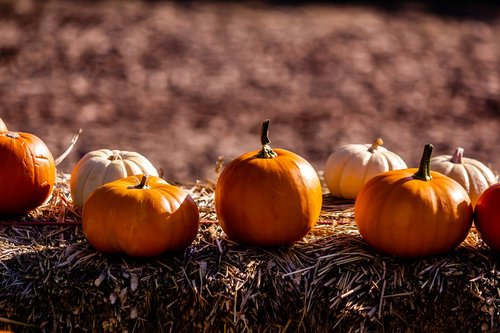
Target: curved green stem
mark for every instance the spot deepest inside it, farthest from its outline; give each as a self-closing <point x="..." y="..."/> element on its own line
<point x="375" y="144"/>
<point x="424" y="170"/>
<point x="457" y="156"/>
<point x="266" y="151"/>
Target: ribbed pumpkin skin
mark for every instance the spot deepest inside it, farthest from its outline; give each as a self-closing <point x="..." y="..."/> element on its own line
<point x="27" y="172"/>
<point x="348" y="168"/>
<point x="472" y="174"/>
<point x="399" y="215"/>
<point x="3" y="127"/>
<point x="103" y="166"/>
<point x="487" y="216"/>
<point x="268" y="202"/>
<point x="145" y="222"/>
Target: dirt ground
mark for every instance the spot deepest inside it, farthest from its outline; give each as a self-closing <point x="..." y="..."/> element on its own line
<point x="185" y="83"/>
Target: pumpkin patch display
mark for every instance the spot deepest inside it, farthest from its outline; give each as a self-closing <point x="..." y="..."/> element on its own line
<point x="101" y="166"/>
<point x="413" y="212"/>
<point x="349" y="167"/>
<point x="472" y="174"/>
<point x="140" y="216"/>
<point x="268" y="197"/>
<point x="27" y="172"/>
<point x="3" y="127"/>
<point x="487" y="216"/>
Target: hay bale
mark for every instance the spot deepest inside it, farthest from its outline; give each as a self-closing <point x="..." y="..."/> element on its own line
<point x="51" y="278"/>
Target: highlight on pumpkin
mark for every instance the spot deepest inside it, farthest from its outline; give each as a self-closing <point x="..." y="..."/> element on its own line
<point x="350" y="166"/>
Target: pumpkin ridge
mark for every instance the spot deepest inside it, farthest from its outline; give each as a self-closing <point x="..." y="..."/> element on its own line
<point x="295" y="191"/>
<point x="338" y="179"/>
<point x="480" y="169"/>
<point x="343" y="179"/>
<point x="134" y="228"/>
<point x="370" y="162"/>
<point x="113" y="169"/>
<point x="88" y="171"/>
<point x="365" y="210"/>
<point x="474" y="187"/>
<point x="130" y="167"/>
<point x="41" y="175"/>
<point x="173" y="200"/>
<point x="30" y="153"/>
<point x="471" y="170"/>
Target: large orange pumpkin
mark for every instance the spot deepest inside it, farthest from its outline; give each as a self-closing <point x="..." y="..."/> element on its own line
<point x="268" y="197"/>
<point x="487" y="216"/>
<point x="141" y="216"/>
<point x="413" y="212"/>
<point x="3" y="127"/>
<point x="27" y="172"/>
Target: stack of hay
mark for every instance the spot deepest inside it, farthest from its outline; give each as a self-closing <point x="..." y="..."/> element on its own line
<point x="51" y="278"/>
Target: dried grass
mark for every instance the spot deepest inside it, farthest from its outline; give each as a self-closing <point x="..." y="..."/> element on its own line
<point x="331" y="281"/>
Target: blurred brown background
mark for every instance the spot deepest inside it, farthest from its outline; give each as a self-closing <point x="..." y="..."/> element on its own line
<point x="185" y="82"/>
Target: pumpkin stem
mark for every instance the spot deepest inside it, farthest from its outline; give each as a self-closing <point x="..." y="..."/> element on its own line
<point x="115" y="156"/>
<point x="266" y="151"/>
<point x="424" y="170"/>
<point x="142" y="184"/>
<point x="457" y="156"/>
<point x="375" y="144"/>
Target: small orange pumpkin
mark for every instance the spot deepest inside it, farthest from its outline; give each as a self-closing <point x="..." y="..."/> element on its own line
<point x="27" y="172"/>
<point x="268" y="197"/>
<point x="3" y="127"/>
<point x="141" y="216"/>
<point x="413" y="212"/>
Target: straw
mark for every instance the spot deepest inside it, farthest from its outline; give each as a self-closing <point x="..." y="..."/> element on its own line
<point x="50" y="277"/>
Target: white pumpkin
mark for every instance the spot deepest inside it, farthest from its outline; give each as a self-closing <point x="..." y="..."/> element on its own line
<point x="349" y="167"/>
<point x="473" y="175"/>
<point x="103" y="166"/>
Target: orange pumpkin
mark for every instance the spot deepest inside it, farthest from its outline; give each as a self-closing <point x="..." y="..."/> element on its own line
<point x="413" y="212"/>
<point x="27" y="172"/>
<point x="268" y="197"/>
<point x="141" y="216"/>
<point x="487" y="216"/>
<point x="3" y="127"/>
